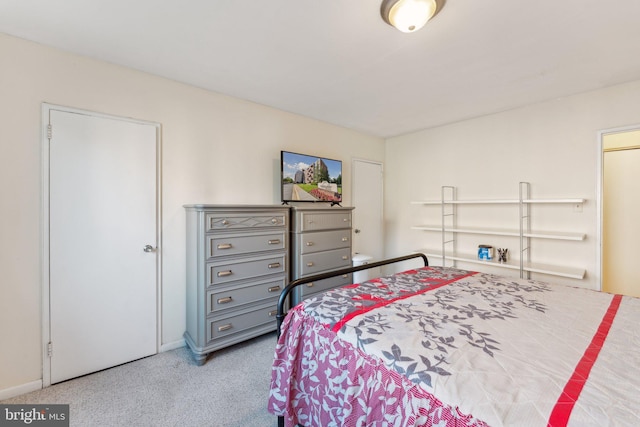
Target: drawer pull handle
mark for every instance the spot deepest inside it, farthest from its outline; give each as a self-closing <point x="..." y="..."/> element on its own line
<point x="273" y="313"/>
<point x="309" y="264"/>
<point x="345" y="219"/>
<point x="274" y="221"/>
<point x="344" y="276"/>
<point x="225" y="246"/>
<point x="225" y="327"/>
<point x="345" y="257"/>
<point x="225" y="273"/>
<point x="274" y="242"/>
<point x="224" y="300"/>
<point x="310" y="285"/>
<point x="345" y="239"/>
<point x="274" y="289"/>
<point x="274" y="265"/>
<point x="309" y="243"/>
<point x="225" y="222"/>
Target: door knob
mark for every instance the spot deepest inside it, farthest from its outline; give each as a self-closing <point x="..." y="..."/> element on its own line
<point x="148" y="248"/>
<point x="357" y="230"/>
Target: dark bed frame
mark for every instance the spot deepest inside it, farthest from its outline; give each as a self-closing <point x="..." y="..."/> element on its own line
<point x="293" y="284"/>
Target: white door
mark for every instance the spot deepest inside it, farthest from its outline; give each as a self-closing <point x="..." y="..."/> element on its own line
<point x="621" y="227"/>
<point x="367" y="197"/>
<point x="102" y="214"/>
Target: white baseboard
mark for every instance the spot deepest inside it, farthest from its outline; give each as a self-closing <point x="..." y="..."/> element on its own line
<point x="172" y="345"/>
<point x="8" y="393"/>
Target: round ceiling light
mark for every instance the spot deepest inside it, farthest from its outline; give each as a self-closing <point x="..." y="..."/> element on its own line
<point x="408" y="15"/>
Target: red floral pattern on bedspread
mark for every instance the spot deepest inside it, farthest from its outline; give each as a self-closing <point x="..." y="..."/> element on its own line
<point x="320" y="380"/>
<point x="337" y="385"/>
<point x="412" y="348"/>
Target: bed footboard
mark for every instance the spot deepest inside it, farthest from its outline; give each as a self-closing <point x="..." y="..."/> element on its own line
<point x="292" y="285"/>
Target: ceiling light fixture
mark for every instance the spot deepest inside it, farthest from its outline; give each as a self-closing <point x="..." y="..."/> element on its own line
<point x="408" y="15"/>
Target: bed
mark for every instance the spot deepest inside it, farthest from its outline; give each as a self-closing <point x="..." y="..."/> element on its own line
<point x="450" y="347"/>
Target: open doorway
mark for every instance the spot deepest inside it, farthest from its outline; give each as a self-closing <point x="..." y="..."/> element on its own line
<point x="620" y="209"/>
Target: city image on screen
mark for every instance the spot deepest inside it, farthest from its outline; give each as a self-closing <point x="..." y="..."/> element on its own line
<point x="307" y="178"/>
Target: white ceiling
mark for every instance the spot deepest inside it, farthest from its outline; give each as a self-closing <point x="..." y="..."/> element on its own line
<point x="337" y="61"/>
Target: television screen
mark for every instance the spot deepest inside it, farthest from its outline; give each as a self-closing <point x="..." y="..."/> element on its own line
<point x="307" y="178"/>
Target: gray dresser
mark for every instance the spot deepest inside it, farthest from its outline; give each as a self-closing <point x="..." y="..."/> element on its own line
<point x="320" y="242"/>
<point x="237" y="265"/>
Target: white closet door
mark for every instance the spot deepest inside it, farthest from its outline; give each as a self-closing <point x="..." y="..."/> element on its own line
<point x="368" y="213"/>
<point x="621" y="224"/>
<point x="102" y="197"/>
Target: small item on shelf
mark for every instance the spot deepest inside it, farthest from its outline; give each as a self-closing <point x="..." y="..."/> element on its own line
<point x="485" y="252"/>
<point x="502" y="254"/>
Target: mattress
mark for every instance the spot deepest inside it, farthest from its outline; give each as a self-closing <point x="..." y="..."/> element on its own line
<point x="449" y="347"/>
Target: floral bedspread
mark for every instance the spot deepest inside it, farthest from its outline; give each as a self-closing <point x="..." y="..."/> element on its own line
<point x="448" y="347"/>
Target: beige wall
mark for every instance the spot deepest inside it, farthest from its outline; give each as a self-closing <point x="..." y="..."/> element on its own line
<point x="552" y="145"/>
<point x="216" y="149"/>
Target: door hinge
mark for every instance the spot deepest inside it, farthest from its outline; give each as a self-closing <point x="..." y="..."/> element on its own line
<point x="50" y="349"/>
<point x="49" y="131"/>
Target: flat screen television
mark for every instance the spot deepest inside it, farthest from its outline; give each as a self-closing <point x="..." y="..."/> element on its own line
<point x="308" y="178"/>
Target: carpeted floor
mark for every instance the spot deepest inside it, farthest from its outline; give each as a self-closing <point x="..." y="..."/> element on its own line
<point x="168" y="389"/>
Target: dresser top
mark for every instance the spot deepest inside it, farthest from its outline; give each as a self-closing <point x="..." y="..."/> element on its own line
<point x="233" y="207"/>
<point x="321" y="208"/>
<point x="311" y="207"/>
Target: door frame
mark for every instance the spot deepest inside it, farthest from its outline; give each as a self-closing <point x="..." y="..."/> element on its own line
<point x="599" y="190"/>
<point x="45" y="230"/>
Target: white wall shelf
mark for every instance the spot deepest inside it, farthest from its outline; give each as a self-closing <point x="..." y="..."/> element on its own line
<point x="468" y="202"/>
<point x="466" y="230"/>
<point x="502" y="232"/>
<point x="496" y="201"/>
<point x="472" y="259"/>
<point x="560" y="201"/>
<point x="449" y="231"/>
<point x="556" y="235"/>
<point x="553" y="270"/>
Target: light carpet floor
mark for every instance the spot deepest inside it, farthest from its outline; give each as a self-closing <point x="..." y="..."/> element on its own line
<point x="168" y="389"/>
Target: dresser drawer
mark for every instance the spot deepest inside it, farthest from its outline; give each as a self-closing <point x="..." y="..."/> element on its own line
<point x="237" y="221"/>
<point x="311" y="221"/>
<point x="304" y="291"/>
<point x="218" y="273"/>
<point x="236" y="244"/>
<point x="324" y="240"/>
<point x="219" y="328"/>
<point x="218" y="300"/>
<point x="323" y="261"/>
